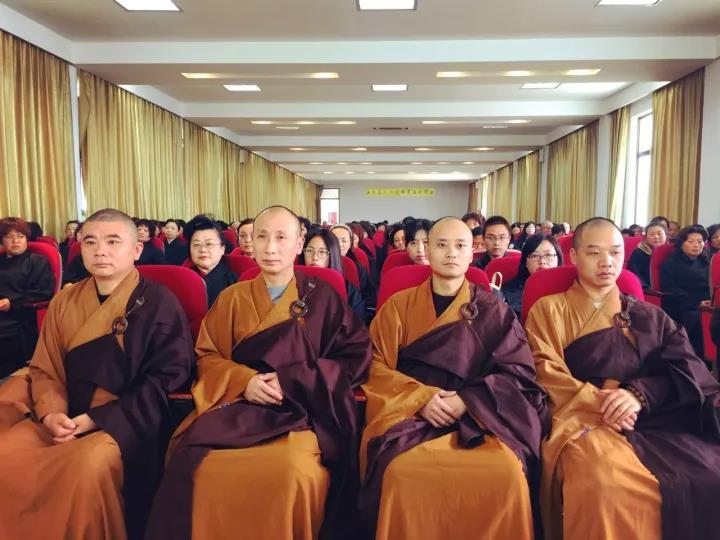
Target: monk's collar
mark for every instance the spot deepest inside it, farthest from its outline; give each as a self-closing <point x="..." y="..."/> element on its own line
<point x="580" y="292"/>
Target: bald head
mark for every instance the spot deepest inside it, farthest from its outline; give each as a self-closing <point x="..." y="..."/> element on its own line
<point x="280" y="217"/>
<point x="449" y="248"/>
<point x="592" y="223"/>
<point x="450" y="228"/>
<point x="107" y="215"/>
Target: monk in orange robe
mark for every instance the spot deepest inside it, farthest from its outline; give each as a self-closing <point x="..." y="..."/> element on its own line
<point x="270" y="451"/>
<point x="84" y="429"/>
<point x="454" y="415"/>
<point x="634" y="450"/>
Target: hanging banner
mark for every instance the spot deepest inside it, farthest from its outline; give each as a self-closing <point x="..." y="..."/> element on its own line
<point x="400" y="192"/>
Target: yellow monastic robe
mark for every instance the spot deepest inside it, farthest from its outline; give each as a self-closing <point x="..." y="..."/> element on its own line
<point x="594" y="487"/>
<point x="438" y="489"/>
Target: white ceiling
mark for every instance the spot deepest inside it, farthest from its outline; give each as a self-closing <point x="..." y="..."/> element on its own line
<point x="276" y="44"/>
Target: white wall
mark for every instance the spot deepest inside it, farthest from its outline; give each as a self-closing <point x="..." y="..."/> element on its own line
<point x="450" y="199"/>
<point x="709" y="196"/>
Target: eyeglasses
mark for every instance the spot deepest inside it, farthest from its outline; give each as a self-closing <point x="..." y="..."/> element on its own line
<point x="493" y="238"/>
<point x="207" y="245"/>
<point x="547" y="257"/>
<point x="321" y="253"/>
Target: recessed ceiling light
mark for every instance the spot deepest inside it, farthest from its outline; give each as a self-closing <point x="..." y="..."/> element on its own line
<point x="325" y="75"/>
<point x="327" y="172"/>
<point x="468" y="163"/>
<point x="582" y="72"/>
<point x="389" y="87"/>
<point x="360" y="149"/>
<point x="422" y="149"/>
<point x="540" y="86"/>
<point x="416" y="163"/>
<point x="515" y="121"/>
<point x="203" y="75"/>
<point x="366" y="163"/>
<point x="287" y="127"/>
<point x="386" y="5"/>
<point x="342" y="163"/>
<point x="316" y="163"/>
<point x="242" y="87"/>
<point x="494" y="127"/>
<point x="297" y="149"/>
<point x="348" y="172"/>
<point x="371" y="172"/>
<point x="261" y="122"/>
<point x="628" y="2"/>
<point x="442" y="162"/>
<point x="452" y="74"/>
<point x="519" y="73"/>
<point x="483" y="149"/>
<point x="346" y="123"/>
<point x="433" y="122"/>
<point x="148" y="5"/>
<point x="456" y="172"/>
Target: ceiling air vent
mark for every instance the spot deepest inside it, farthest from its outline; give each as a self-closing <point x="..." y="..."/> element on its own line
<point x="390" y="129"/>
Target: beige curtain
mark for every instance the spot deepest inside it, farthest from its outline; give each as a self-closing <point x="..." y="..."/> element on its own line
<point x="620" y="132"/>
<point x="130" y="151"/>
<point x="503" y="192"/>
<point x="677" y="126"/>
<point x="37" y="180"/>
<point x="572" y="176"/>
<point x="483" y="194"/>
<point x="528" y="188"/>
<point x="473" y="193"/>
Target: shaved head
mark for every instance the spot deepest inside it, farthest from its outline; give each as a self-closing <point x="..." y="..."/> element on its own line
<point x="272" y="212"/>
<point x="111" y="214"/>
<point x="450" y="228"/>
<point x="592" y="223"/>
<point x="449" y="249"/>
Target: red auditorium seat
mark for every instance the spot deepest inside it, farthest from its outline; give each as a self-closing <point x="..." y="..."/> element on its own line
<point x="404" y="277"/>
<point x="710" y="347"/>
<point x="557" y="280"/>
<point x="326" y="274"/>
<point x="507" y="267"/>
<point x="379" y="239"/>
<point x="658" y="257"/>
<point x="237" y="251"/>
<point x="368" y="243"/>
<point x="53" y="257"/>
<point x="395" y="259"/>
<point x="158" y="243"/>
<point x="73" y="252"/>
<point x="239" y="263"/>
<point x="565" y="243"/>
<point x="631" y="242"/>
<point x="362" y="259"/>
<point x="351" y="272"/>
<point x="231" y="236"/>
<point x="186" y="285"/>
<point x="513" y="253"/>
<point x="50" y="240"/>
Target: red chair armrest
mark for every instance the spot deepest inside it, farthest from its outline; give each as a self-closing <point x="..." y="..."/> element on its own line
<point x="37" y="305"/>
<point x="180" y="396"/>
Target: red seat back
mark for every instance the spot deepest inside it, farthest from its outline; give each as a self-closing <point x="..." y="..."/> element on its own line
<point x="565" y="243"/>
<point x="404" y="277"/>
<point x="395" y="259"/>
<point x="237" y="251"/>
<point x="73" y="251"/>
<point x="631" y="242"/>
<point x="715" y="279"/>
<point x="186" y="285"/>
<point x="513" y="253"/>
<point x="239" y="263"/>
<point x="326" y="274"/>
<point x="368" y="243"/>
<point x="351" y="271"/>
<point x="362" y="258"/>
<point x="379" y="239"/>
<point x="558" y="280"/>
<point x="53" y="257"/>
<point x="507" y="267"/>
<point x="158" y="243"/>
<point x="657" y="259"/>
<point x="231" y="236"/>
<point x="50" y="240"/>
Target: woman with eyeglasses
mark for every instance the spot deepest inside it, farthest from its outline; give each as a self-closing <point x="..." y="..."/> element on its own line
<point x="206" y="251"/>
<point x="685" y="276"/>
<point x="322" y="250"/>
<point x="540" y="252"/>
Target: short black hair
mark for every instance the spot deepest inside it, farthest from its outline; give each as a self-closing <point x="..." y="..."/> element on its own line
<point x="202" y="222"/>
<point x="477" y="231"/>
<point x="529" y="248"/>
<point x="471" y="215"/>
<point x="414" y="226"/>
<point x="172" y="220"/>
<point x="498" y="220"/>
<point x="246" y="221"/>
<point x="558" y="228"/>
<point x="305" y="222"/>
<point x="148" y="223"/>
<point x="331" y="244"/>
<point x="712" y="229"/>
<point x="589" y="223"/>
<point x="686" y="232"/>
<point x="75" y="221"/>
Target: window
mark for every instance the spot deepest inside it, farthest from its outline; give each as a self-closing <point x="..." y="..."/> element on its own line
<point x="637" y="188"/>
<point x="330" y="206"/>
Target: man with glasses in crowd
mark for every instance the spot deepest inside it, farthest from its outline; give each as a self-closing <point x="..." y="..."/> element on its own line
<point x="497" y="240"/>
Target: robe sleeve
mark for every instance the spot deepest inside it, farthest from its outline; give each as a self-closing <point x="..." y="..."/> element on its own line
<point x="47" y="371"/>
<point x="39" y="285"/>
<point x="165" y="367"/>
<point x="351" y="345"/>
<point x="568" y="395"/>
<point x="390" y="393"/>
<point x="220" y="379"/>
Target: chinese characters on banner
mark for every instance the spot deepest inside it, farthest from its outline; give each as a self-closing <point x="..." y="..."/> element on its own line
<point x="400" y="192"/>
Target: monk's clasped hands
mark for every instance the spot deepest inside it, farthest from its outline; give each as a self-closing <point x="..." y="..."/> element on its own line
<point x="620" y="409"/>
<point x="264" y="389"/>
<point x="444" y="409"/>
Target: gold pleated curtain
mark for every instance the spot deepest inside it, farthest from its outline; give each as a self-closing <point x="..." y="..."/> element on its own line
<point x="130" y="151"/>
<point x="528" y="187"/>
<point x="677" y="127"/>
<point x="619" y="135"/>
<point x="572" y="176"/>
<point x="483" y="195"/>
<point x="503" y="192"/>
<point x="37" y="179"/>
<point x="473" y="193"/>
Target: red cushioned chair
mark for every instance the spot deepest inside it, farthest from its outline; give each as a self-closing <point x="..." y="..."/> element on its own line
<point x="368" y="243"/>
<point x="237" y="251"/>
<point x="379" y="239"/>
<point x="565" y="243"/>
<point x="513" y="253"/>
<point x="478" y="255"/>
<point x="158" y="243"/>
<point x="231" y="236"/>
<point x="557" y="280"/>
<point x="711" y="353"/>
<point x="73" y="251"/>
<point x="506" y="267"/>
<point x="631" y="242"/>
<point x="351" y="272"/>
<point x="186" y="285"/>
<point x="362" y="259"/>
<point x="326" y="274"/>
<point x="659" y="255"/>
<point x="404" y="277"/>
<point x="50" y="240"/>
<point x="395" y="259"/>
<point x="55" y="261"/>
<point x="239" y="263"/>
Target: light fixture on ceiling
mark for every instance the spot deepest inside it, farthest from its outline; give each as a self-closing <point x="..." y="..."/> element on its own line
<point x="468" y="163"/>
<point x="582" y="72"/>
<point x="423" y="149"/>
<point x="296" y="149"/>
<point x="386" y="5"/>
<point x="366" y="163"/>
<point x="389" y="87"/>
<point x="641" y="3"/>
<point x="349" y="172"/>
<point x="483" y="149"/>
<point x="148" y="5"/>
<point x="341" y="163"/>
<point x="519" y="73"/>
<point x="434" y="122"/>
<point x="327" y="172"/>
<point x="452" y="74"/>
<point x="456" y="172"/>
<point x="325" y="75"/>
<point x="494" y="127"/>
<point x="360" y="149"/>
<point x="434" y="172"/>
<point x="416" y="163"/>
<point x="203" y="75"/>
<point x="346" y="122"/>
<point x="371" y="172"/>
<point x="261" y="122"/>
<point x="515" y="121"/>
<point x="287" y="127"/>
<point x="540" y="86"/>
<point x="242" y="87"/>
<point x="316" y="163"/>
<point x="442" y="163"/>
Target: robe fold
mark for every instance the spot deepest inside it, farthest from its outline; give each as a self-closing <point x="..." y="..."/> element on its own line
<point x="651" y="482"/>
<point x="470" y="479"/>
<point x="100" y="484"/>
<point x="266" y="469"/>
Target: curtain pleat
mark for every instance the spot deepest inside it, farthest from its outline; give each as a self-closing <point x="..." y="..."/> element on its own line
<point x="620" y="133"/>
<point x="528" y="189"/>
<point x="502" y="179"/>
<point x="473" y="197"/>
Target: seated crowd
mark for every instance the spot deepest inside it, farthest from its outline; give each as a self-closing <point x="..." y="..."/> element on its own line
<point x="456" y="405"/>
